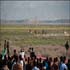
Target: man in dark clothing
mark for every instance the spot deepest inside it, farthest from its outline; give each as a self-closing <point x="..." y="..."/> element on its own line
<point x="8" y="48"/>
<point x="68" y="64"/>
<point x="32" y="54"/>
<point x="1" y="62"/>
<point x="67" y="47"/>
<point x="5" y="44"/>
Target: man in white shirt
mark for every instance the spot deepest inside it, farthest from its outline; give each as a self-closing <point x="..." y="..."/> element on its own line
<point x="22" y="53"/>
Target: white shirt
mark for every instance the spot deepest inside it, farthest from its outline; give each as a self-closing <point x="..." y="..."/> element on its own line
<point x="35" y="68"/>
<point x="22" y="54"/>
<point x="21" y="62"/>
<point x="63" y="66"/>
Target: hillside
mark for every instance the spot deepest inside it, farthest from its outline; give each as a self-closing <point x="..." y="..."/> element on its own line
<point x="40" y="22"/>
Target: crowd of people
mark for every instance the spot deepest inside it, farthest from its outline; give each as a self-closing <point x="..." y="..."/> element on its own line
<point x="19" y="61"/>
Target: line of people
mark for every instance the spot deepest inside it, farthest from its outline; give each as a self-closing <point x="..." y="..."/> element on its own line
<point x="21" y="62"/>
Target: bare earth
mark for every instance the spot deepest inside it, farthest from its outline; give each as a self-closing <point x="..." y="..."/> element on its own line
<point x="44" y="50"/>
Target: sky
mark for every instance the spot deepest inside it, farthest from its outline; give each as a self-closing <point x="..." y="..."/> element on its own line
<point x="34" y="10"/>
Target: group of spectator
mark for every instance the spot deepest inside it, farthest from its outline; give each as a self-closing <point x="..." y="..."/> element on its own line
<point x="19" y="61"/>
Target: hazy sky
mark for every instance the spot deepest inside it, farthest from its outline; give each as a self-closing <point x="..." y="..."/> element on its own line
<point x="41" y="10"/>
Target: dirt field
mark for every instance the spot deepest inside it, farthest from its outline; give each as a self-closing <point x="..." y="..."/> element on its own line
<point x="44" y="50"/>
<point x="46" y="40"/>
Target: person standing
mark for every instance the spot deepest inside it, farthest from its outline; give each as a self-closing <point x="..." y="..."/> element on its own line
<point x="63" y="65"/>
<point x="22" y="53"/>
<point x="66" y="47"/>
<point x="21" y="61"/>
<point x="55" y="65"/>
<point x="68" y="64"/>
<point x="4" y="51"/>
<point x="8" y="48"/>
<point x="16" y="65"/>
<point x="5" y="44"/>
<point x="32" y="54"/>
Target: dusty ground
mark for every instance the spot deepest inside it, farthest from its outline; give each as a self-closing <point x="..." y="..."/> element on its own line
<point x="45" y="50"/>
